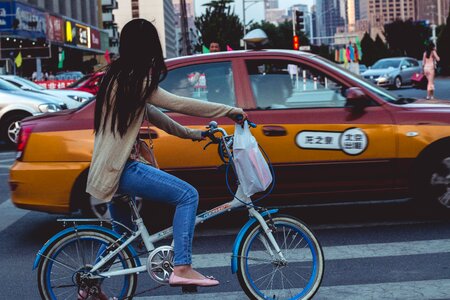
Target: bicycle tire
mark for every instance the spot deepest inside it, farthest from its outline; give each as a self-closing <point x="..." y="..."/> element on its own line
<point x="78" y="250"/>
<point x="255" y="264"/>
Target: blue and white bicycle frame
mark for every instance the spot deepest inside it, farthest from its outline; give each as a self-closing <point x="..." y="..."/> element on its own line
<point x="149" y="240"/>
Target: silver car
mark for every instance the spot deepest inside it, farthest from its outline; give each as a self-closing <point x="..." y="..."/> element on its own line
<point x="392" y="72"/>
<point x="71" y="98"/>
<point x="16" y="104"/>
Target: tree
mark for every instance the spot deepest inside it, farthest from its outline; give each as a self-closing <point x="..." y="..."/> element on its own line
<point x="368" y="50"/>
<point x="280" y="36"/>
<point x="219" y="23"/>
<point x="443" y="47"/>
<point x="380" y="48"/>
<point x="406" y="38"/>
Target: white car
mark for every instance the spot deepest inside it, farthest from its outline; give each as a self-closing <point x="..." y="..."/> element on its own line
<point x="71" y="98"/>
<point x="17" y="104"/>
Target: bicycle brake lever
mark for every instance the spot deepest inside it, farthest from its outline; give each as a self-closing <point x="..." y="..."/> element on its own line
<point x="206" y="146"/>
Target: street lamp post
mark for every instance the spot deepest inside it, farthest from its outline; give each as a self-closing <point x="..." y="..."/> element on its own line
<point x="243" y="14"/>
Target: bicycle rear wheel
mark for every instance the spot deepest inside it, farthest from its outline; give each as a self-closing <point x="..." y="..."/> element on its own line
<point x="263" y="275"/>
<point x="64" y="269"/>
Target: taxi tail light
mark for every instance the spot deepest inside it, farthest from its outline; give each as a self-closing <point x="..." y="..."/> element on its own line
<point x="22" y="140"/>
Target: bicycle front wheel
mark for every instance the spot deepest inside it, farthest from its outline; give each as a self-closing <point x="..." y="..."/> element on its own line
<point x="64" y="269"/>
<point x="263" y="275"/>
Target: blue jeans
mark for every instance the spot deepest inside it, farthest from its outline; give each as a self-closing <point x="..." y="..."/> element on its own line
<point x="149" y="183"/>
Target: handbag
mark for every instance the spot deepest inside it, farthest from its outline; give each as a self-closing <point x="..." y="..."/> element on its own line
<point x="143" y="152"/>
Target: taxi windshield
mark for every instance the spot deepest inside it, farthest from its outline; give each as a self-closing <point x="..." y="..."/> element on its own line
<point x="382" y="93"/>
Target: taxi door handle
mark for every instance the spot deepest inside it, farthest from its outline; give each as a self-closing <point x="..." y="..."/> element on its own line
<point x="274" y="131"/>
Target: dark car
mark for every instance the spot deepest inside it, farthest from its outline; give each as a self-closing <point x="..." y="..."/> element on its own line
<point x="331" y="136"/>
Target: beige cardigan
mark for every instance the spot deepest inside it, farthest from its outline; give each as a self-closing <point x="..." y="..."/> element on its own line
<point x="112" y="151"/>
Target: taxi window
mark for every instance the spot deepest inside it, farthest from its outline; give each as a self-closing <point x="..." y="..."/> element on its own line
<point x="282" y="84"/>
<point x="211" y="82"/>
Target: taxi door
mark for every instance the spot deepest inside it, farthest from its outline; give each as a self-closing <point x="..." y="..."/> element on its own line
<point x="321" y="150"/>
<point x="212" y="80"/>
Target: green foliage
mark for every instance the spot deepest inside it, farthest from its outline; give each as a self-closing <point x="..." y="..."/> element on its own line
<point x="368" y="49"/>
<point x="443" y="47"/>
<point x="373" y="50"/>
<point x="381" y="50"/>
<point x="280" y="37"/>
<point x="220" y="24"/>
<point x="406" y="38"/>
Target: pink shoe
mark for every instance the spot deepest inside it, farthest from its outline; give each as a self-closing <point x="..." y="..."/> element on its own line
<point x="175" y="280"/>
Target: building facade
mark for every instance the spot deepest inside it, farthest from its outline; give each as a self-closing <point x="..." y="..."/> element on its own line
<point x="329" y="15"/>
<point x="109" y="24"/>
<point x="50" y="35"/>
<point x="387" y="11"/>
<point x="160" y="12"/>
<point x="270" y="4"/>
<point x="85" y="11"/>
<point x="434" y="11"/>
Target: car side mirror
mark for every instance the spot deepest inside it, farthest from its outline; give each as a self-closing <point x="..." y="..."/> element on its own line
<point x="404" y="67"/>
<point x="356" y="99"/>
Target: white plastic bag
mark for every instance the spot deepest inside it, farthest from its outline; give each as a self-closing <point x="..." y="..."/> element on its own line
<point x="251" y="167"/>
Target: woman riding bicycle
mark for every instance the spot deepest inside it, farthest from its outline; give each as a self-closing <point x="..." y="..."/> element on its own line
<point x="128" y="90"/>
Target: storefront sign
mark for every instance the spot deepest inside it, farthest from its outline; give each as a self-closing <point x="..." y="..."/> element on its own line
<point x="55" y="30"/>
<point x="22" y="20"/>
<point x="83" y="35"/>
<point x="30" y="20"/>
<point x="5" y="15"/>
<point x="95" y="39"/>
<point x="71" y="32"/>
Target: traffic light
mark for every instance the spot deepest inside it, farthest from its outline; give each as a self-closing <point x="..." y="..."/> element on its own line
<point x="299" y="20"/>
<point x="296" y="42"/>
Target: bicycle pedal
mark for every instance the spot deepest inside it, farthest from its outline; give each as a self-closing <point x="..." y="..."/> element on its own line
<point x="189" y="289"/>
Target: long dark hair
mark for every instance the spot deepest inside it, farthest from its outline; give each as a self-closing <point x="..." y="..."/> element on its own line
<point x="131" y="78"/>
<point x="430" y="48"/>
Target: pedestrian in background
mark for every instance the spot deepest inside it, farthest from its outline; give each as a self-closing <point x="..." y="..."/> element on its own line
<point x="214" y="47"/>
<point x="430" y="59"/>
<point x="130" y="89"/>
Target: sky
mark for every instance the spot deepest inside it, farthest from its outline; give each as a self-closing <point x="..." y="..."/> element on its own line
<point x="253" y="11"/>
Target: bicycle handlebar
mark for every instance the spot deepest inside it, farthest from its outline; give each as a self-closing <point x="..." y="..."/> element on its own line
<point x="213" y="128"/>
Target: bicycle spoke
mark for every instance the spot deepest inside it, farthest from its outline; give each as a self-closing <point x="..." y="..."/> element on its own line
<point x="301" y="277"/>
<point x="58" y="262"/>
<point x="70" y="258"/>
<point x="271" y="280"/>
<point x="290" y="283"/>
<point x="264" y="276"/>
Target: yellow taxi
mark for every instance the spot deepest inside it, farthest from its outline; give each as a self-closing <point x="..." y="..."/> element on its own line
<point x="331" y="136"/>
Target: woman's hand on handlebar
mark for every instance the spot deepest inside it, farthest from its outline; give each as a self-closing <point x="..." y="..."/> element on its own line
<point x="238" y="115"/>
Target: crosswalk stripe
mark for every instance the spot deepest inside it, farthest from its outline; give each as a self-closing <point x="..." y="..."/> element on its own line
<point x="7" y="160"/>
<point x="218" y="260"/>
<point x="10" y="214"/>
<point x="411" y="290"/>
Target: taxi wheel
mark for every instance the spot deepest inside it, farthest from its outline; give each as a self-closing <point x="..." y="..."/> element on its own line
<point x="434" y="179"/>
